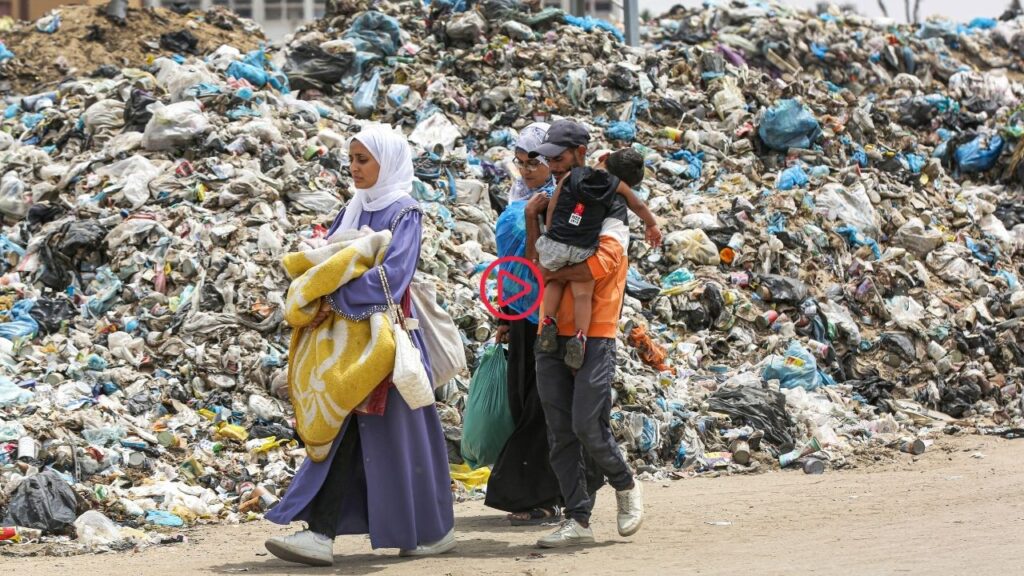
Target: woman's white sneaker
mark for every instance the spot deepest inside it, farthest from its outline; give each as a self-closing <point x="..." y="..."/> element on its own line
<point x="305" y="547"/>
<point x="446" y="544"/>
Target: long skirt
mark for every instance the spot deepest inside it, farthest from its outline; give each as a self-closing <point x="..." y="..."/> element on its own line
<point x="393" y="485"/>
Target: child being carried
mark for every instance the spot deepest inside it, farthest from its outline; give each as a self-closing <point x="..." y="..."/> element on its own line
<point x="576" y="213"/>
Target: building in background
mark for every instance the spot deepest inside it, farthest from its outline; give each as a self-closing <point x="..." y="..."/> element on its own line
<point x="33" y="9"/>
<point x="604" y="9"/>
<point x="278" y="17"/>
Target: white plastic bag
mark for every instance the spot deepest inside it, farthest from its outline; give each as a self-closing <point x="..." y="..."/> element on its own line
<point x="437" y="129"/>
<point x="692" y="245"/>
<point x="14" y="201"/>
<point x="135" y="173"/>
<point x="104" y="115"/>
<point x="95" y="529"/>
<point x="174" y="126"/>
<point x="409" y="375"/>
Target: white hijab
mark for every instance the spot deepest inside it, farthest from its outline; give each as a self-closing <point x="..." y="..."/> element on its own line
<point x="392" y="152"/>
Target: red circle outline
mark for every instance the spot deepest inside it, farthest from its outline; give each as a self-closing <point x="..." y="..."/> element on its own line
<point x="483" y="288"/>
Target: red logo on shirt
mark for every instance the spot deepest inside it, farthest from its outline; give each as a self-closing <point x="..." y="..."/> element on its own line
<point x="577" y="215"/>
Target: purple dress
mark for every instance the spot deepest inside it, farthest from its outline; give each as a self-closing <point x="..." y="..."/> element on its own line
<point x="404" y="497"/>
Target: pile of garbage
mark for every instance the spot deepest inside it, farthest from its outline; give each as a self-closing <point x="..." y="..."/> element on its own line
<point x="80" y="41"/>
<point x="840" y="275"/>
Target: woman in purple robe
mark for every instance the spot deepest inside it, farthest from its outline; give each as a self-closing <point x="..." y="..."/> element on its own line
<point x="387" y="472"/>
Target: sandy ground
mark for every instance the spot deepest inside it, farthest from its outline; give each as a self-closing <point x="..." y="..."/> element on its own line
<point x="945" y="512"/>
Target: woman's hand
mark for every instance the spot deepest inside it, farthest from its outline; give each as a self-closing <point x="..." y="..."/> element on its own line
<point x="536" y="205"/>
<point x="501" y="336"/>
<point x="321" y="314"/>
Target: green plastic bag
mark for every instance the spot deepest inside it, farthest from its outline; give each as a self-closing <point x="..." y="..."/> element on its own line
<point x="487" y="421"/>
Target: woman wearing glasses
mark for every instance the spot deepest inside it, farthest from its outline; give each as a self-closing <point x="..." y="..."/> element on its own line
<point x="522" y="482"/>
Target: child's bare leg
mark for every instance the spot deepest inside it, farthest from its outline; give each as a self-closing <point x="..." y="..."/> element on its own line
<point x="552" y="297"/>
<point x="583" y="297"/>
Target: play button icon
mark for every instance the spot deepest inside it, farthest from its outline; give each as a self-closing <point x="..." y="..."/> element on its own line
<point x="506" y="299"/>
<point x="512" y="288"/>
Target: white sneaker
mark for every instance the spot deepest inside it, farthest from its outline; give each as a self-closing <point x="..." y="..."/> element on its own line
<point x="570" y="533"/>
<point x="446" y="544"/>
<point x="305" y="547"/>
<point x="631" y="509"/>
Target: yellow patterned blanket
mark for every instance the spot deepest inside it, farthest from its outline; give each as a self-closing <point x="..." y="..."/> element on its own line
<point x="332" y="368"/>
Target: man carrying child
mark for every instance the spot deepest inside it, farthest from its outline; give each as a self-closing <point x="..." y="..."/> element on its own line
<point x="577" y="399"/>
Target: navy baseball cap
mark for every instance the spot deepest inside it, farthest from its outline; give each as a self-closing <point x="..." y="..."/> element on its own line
<point x="562" y="134"/>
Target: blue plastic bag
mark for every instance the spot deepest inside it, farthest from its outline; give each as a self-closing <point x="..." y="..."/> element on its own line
<point x="510" y="232"/>
<point x="376" y="33"/>
<point x="588" y="23"/>
<point x="364" y="101"/>
<point x="980" y="154"/>
<point x="19" y="323"/>
<point x="792" y="177"/>
<point x="242" y="70"/>
<point x="796" y="368"/>
<point x="677" y="277"/>
<point x="163" y="518"/>
<point x="5" y="54"/>
<point x="695" y="163"/>
<point x="855" y="238"/>
<point x="487" y="421"/>
<point x="788" y="125"/>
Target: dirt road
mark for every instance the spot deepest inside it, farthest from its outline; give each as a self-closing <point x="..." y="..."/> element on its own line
<point x="946" y="512"/>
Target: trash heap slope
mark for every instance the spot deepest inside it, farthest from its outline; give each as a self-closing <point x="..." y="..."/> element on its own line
<point x="840" y="277"/>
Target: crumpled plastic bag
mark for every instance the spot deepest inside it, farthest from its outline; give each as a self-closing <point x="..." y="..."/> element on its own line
<point x="14" y="201"/>
<point x="792" y="177"/>
<point x="17" y="322"/>
<point x="174" y="126"/>
<point x="466" y="27"/>
<point x="510" y="232"/>
<point x="134" y="175"/>
<point x="980" y="154"/>
<point x="179" y="79"/>
<point x="364" y="101"/>
<point x="95" y="529"/>
<point x="797" y="367"/>
<point x="906" y="313"/>
<point x="487" y="421"/>
<point x="947" y="264"/>
<point x="436" y="129"/>
<point x="692" y="245"/>
<point x="847" y="205"/>
<point x="104" y="115"/>
<point x="11" y="393"/>
<point x="44" y="502"/>
<point x="759" y="408"/>
<point x="788" y="125"/>
<point x="309" y="66"/>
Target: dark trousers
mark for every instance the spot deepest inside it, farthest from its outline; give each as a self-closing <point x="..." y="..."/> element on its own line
<point x="577" y="409"/>
<point x="341" y="479"/>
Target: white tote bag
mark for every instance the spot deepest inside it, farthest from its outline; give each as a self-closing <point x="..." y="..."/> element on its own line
<point x="441" y="337"/>
<point x="409" y="375"/>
